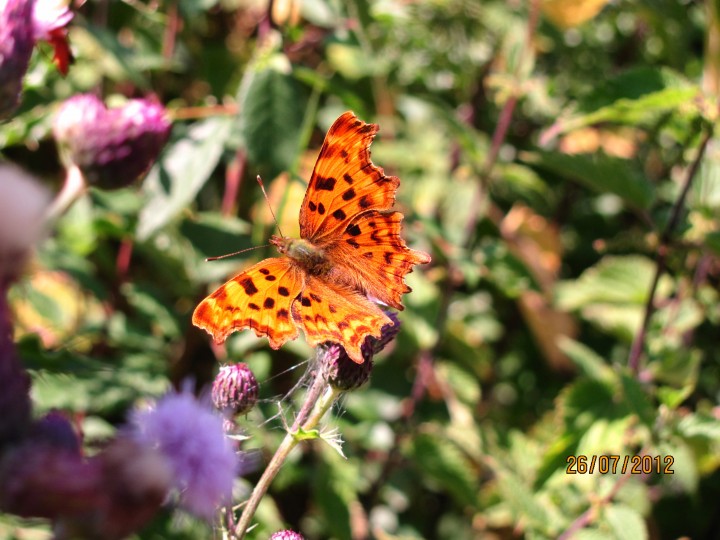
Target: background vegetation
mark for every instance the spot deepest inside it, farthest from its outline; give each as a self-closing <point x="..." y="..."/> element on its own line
<point x="565" y="177"/>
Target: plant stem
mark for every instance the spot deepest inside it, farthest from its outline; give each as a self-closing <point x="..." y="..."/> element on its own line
<point x="318" y="401"/>
<point x="72" y="189"/>
<point x="662" y="251"/>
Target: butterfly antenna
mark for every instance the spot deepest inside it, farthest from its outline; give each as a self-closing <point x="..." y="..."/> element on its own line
<point x="236" y="253"/>
<point x="267" y="200"/>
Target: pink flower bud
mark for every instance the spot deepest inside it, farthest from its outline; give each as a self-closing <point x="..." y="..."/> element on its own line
<point x="112" y="147"/>
<point x="235" y="389"/>
<point x="341" y="372"/>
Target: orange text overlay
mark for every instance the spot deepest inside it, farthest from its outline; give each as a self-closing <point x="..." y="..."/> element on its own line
<point x="613" y="464"/>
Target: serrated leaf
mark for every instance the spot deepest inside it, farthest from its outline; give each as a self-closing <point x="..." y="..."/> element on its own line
<point x="613" y="280"/>
<point x="634" y="97"/>
<point x="625" y="522"/>
<point x="685" y="474"/>
<point x="522" y="502"/>
<point x="638" y="400"/>
<point x="590" y="363"/>
<point x="442" y="462"/>
<point x="182" y="171"/>
<point x="271" y="120"/>
<point x="599" y="172"/>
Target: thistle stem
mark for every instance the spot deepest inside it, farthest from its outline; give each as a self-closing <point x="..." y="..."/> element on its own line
<point x="318" y="401"/>
<point x="73" y="188"/>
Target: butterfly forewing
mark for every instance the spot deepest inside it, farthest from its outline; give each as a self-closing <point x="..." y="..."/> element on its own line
<point x="344" y="182"/>
<point x="260" y="298"/>
<point x="372" y="257"/>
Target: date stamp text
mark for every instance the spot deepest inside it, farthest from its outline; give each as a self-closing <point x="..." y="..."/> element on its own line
<point x="613" y="464"/>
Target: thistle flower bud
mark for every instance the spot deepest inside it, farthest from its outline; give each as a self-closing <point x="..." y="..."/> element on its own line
<point x="16" y="45"/>
<point x="235" y="389"/>
<point x="287" y="535"/>
<point x="112" y="147"/>
<point x="344" y="374"/>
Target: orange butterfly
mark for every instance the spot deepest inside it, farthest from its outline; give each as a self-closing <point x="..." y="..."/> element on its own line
<point x="349" y="253"/>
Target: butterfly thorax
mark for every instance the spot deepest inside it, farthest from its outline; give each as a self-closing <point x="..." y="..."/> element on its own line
<point x="305" y="253"/>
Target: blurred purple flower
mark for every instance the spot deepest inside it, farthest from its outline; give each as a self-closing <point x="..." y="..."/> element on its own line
<point x="22" y="205"/>
<point x="191" y="438"/>
<point x="23" y="202"/>
<point x="287" y="535"/>
<point x="341" y="372"/>
<point x="22" y="24"/>
<point x="235" y="389"/>
<point x="16" y="44"/>
<point x="112" y="147"/>
<point x="49" y="15"/>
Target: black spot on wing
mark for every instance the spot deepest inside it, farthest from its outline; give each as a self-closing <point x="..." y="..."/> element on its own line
<point x="364" y="202"/>
<point x="248" y="285"/>
<point x="269" y="303"/>
<point x="321" y="209"/>
<point x="353" y="230"/>
<point x="348" y="195"/>
<point x="312" y="206"/>
<point x="339" y="214"/>
<point x="325" y="184"/>
<point x="283" y="291"/>
<point x="348" y="178"/>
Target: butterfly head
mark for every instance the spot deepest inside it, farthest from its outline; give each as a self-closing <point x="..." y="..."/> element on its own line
<point x="305" y="253"/>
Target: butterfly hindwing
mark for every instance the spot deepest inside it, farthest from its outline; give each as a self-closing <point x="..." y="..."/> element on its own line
<point x="260" y="298"/>
<point x="372" y="256"/>
<point x="344" y="182"/>
<point x="327" y="312"/>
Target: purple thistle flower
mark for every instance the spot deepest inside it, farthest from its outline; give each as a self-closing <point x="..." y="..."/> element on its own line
<point x="112" y="147"/>
<point x="341" y="372"/>
<point x="235" y="389"/>
<point x="191" y="438"/>
<point x="48" y="16"/>
<point x="16" y="45"/>
<point x="287" y="535"/>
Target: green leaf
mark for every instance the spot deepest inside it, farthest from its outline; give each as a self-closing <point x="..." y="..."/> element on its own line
<point x="626" y="523"/>
<point x="590" y="363"/>
<point x="638" y="400"/>
<point x="634" y="85"/>
<point x="599" y="172"/>
<point x="635" y="97"/>
<point x="524" y="505"/>
<point x="441" y="462"/>
<point x="612" y="293"/>
<point x="182" y="171"/>
<point x="335" y="484"/>
<point x="271" y="120"/>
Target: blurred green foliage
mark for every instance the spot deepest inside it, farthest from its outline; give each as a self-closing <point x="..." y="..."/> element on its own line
<point x="539" y="166"/>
